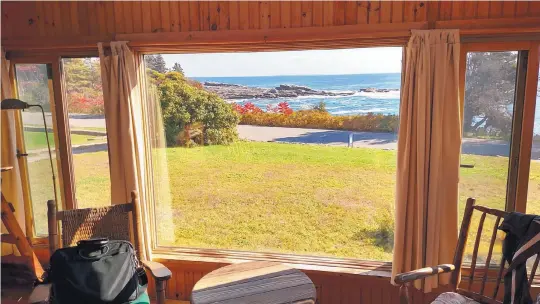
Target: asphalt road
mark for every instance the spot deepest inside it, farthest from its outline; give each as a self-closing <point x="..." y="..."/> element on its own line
<point x="301" y="136"/>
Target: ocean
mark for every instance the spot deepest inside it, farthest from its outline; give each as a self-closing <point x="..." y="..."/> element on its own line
<point x="359" y="103"/>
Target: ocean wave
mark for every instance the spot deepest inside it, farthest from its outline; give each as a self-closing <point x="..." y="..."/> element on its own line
<point x="381" y="95"/>
<point x="358" y="111"/>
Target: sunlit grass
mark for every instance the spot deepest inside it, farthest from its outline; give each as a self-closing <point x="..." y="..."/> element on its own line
<point x="291" y="198"/>
<point x="36" y="140"/>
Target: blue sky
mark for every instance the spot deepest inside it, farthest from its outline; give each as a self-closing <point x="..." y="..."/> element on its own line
<point x="314" y="62"/>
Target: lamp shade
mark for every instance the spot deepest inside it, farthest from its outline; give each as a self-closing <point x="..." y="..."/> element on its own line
<point x="13" y="104"/>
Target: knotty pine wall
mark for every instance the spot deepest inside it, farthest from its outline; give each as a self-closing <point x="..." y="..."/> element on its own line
<point x="94" y="18"/>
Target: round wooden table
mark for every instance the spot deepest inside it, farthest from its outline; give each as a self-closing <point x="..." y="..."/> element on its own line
<point x="254" y="282"/>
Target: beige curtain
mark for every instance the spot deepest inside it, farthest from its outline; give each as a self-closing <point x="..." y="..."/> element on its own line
<point x="11" y="180"/>
<point x="429" y="144"/>
<point x="124" y="119"/>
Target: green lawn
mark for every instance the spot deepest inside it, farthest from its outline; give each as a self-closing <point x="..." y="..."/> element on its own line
<point x="291" y="198"/>
<point x="37" y="140"/>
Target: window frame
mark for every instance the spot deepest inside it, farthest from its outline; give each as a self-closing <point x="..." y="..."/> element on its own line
<point x="518" y="201"/>
<point x="65" y="168"/>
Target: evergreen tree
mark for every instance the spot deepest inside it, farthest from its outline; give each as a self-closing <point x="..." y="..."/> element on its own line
<point x="178" y="68"/>
<point x="489" y="93"/>
<point x="156" y="63"/>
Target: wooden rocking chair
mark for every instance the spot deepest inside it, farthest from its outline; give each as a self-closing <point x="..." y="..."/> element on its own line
<point x="470" y="292"/>
<point x="112" y="222"/>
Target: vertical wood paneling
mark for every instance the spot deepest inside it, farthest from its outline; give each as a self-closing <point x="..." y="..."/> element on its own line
<point x="362" y="12"/>
<point x="128" y="17"/>
<point x="233" y="15"/>
<point x="374" y="14"/>
<point x="397" y="11"/>
<point x="61" y="16"/>
<point x="137" y="17"/>
<point x="483" y="10"/>
<point x="534" y="8"/>
<point x="243" y="11"/>
<point x="409" y="10"/>
<point x="102" y="16"/>
<point x="6" y="27"/>
<point x="328" y="13"/>
<point x="254" y="19"/>
<point x="522" y="8"/>
<point x="317" y="13"/>
<point x="275" y="14"/>
<point x="445" y="10"/>
<point x="83" y="18"/>
<point x="155" y="10"/>
<point x="265" y="14"/>
<point x="224" y="15"/>
<point x="170" y="291"/>
<point x="165" y="15"/>
<point x="351" y="12"/>
<point x="57" y="19"/>
<point x="204" y="16"/>
<point x="181" y="286"/>
<point x="307" y="13"/>
<point x="495" y="9"/>
<point x="285" y="14"/>
<point x="185" y="17"/>
<point x="146" y="16"/>
<point x="458" y="10"/>
<point x="213" y="14"/>
<point x="40" y="19"/>
<point x="194" y="16"/>
<point x="339" y="12"/>
<point x="386" y="11"/>
<point x="296" y="14"/>
<point x="93" y="18"/>
<point x="109" y="16"/>
<point x="509" y="9"/>
<point x="48" y="20"/>
<point x="421" y="12"/>
<point x="470" y="9"/>
<point x="118" y="16"/>
<point x="174" y="16"/>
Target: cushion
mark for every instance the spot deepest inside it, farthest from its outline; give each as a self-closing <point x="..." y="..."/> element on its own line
<point x="453" y="298"/>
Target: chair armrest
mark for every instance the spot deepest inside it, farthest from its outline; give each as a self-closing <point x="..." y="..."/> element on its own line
<point x="40" y="294"/>
<point x="413" y="275"/>
<point x="158" y="271"/>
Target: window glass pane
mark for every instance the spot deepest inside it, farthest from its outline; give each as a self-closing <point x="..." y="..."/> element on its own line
<point x="33" y="88"/>
<point x="533" y="195"/>
<point x="487" y="129"/>
<point x="262" y="163"/>
<point x="84" y="97"/>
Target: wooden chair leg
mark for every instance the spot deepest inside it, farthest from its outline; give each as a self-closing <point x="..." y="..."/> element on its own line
<point x="160" y="291"/>
<point x="404" y="294"/>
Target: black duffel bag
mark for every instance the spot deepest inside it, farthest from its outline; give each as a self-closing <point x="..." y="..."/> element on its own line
<point x="96" y="271"/>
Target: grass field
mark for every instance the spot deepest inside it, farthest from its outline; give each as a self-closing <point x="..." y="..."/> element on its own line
<point x="291" y="198"/>
<point x="37" y="140"/>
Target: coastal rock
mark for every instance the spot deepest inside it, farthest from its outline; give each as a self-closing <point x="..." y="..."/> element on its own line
<point x="234" y="91"/>
<point x="375" y="90"/>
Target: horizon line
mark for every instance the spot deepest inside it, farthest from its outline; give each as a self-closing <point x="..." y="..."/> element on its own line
<point x="297" y="75"/>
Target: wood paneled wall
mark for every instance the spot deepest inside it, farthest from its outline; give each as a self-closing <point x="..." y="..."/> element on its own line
<point x="95" y="18"/>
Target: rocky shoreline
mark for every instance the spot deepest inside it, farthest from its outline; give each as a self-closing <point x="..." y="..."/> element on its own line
<point x="235" y="91"/>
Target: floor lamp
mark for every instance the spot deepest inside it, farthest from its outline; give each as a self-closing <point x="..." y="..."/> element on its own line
<point x="16" y="104"/>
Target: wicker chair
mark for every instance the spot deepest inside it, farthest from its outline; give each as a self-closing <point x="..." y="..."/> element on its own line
<point x="112" y="222"/>
<point x="469" y="293"/>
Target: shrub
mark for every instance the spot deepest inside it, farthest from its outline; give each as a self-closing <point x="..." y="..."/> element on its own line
<point x="318" y="119"/>
<point x="193" y="116"/>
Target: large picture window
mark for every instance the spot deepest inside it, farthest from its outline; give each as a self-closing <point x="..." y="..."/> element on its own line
<point x="276" y="152"/>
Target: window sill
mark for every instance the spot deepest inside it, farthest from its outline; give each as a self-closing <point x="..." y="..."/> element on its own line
<point x="303" y="262"/>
